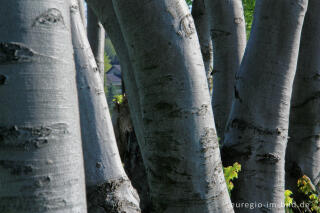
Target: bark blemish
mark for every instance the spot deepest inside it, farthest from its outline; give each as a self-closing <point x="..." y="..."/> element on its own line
<point x="164" y="106"/>
<point x="219" y="33"/>
<point x="186" y="26"/>
<point x="203" y="110"/>
<point x="28" y="138"/>
<point x="3" y="79"/>
<point x="242" y="125"/>
<point x="270" y="158"/>
<point x="236" y="94"/>
<point x="52" y="17"/>
<point x="208" y="139"/>
<point x="151" y="67"/>
<point x="107" y="196"/>
<point x="238" y="20"/>
<point x="98" y="165"/>
<point x="16" y="168"/>
<point x="11" y="52"/>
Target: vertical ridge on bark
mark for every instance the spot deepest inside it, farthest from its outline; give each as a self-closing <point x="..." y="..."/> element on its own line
<point x="201" y="21"/>
<point x="41" y="163"/>
<point x="180" y="150"/>
<point x="82" y="12"/>
<point x="257" y="129"/>
<point x="228" y="33"/>
<point x="96" y="37"/>
<point x="106" y="14"/>
<point x="303" y="152"/>
<point x="109" y="189"/>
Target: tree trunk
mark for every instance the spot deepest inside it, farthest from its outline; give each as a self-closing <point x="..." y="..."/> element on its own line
<point x="104" y="10"/>
<point x="96" y="36"/>
<point x="257" y="129"/>
<point x="130" y="153"/>
<point x="303" y="152"/>
<point x="82" y="12"/>
<point x="41" y="163"/>
<point x="228" y="32"/>
<point x="201" y="21"/>
<point x="108" y="187"/>
<point x="180" y="151"/>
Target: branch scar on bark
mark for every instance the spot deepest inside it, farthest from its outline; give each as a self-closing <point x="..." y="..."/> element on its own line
<point x="186" y="26"/>
<point x="30" y="138"/>
<point x="52" y="17"/>
<point x="3" y="79"/>
<point x="238" y="20"/>
<point x="219" y="33"/>
<point x="11" y="52"/>
<point x="270" y="158"/>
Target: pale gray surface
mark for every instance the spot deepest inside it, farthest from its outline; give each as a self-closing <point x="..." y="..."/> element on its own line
<point x="180" y="150"/>
<point x="96" y="37"/>
<point x="228" y="32"/>
<point x="303" y="152"/>
<point x="258" y="125"/>
<point x="102" y="160"/>
<point x="202" y="23"/>
<point x="41" y="163"/>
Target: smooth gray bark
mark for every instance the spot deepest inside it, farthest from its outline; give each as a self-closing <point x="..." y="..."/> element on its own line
<point x="201" y="21"/>
<point x="180" y="150"/>
<point x="130" y="153"/>
<point x="257" y="129"/>
<point x="96" y="37"/>
<point x="303" y="152"/>
<point x="228" y="32"/>
<point x="109" y="189"/>
<point x="82" y="12"/>
<point x="106" y="14"/>
<point x="41" y="163"/>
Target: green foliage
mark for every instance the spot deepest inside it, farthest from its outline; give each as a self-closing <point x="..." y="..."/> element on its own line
<point x="118" y="99"/>
<point x="231" y="173"/>
<point x="307" y="188"/>
<point x="110" y="51"/>
<point x="248" y="14"/>
<point x="107" y="63"/>
<point x="287" y="197"/>
<point x="189" y="2"/>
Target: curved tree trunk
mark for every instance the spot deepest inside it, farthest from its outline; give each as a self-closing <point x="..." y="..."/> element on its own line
<point x="257" y="129"/>
<point x="41" y="163"/>
<point x="130" y="153"/>
<point x="108" y="187"/>
<point x="96" y="37"/>
<point x="106" y="13"/>
<point x="180" y="150"/>
<point x="228" y="32"/>
<point x="201" y="21"/>
<point x="303" y="152"/>
<point x="82" y="12"/>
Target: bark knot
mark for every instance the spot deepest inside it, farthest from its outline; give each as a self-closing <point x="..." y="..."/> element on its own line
<point x="52" y="17"/>
<point x="11" y="52"/>
<point x="186" y="26"/>
<point x="270" y="158"/>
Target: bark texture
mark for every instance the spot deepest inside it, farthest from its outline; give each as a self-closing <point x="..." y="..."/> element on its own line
<point x="228" y="32"/>
<point x="303" y="152"/>
<point x="201" y="21"/>
<point x="41" y="163"/>
<point x="82" y="12"/>
<point x="258" y="125"/>
<point x="96" y="36"/>
<point x="130" y="153"/>
<point x="108" y="187"/>
<point x="180" y="149"/>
